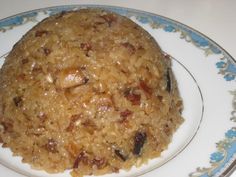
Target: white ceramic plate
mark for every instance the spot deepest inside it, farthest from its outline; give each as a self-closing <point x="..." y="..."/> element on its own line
<point x="205" y="144"/>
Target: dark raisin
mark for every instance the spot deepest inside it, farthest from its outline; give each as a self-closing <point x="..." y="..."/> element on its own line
<point x="160" y="98"/>
<point x="168" y="81"/>
<point x="167" y="56"/>
<point x="89" y="126"/>
<point x="145" y="88"/>
<point x="51" y="146"/>
<point x="80" y="158"/>
<point x="24" y="61"/>
<point x="127" y="92"/>
<point x="140" y="47"/>
<point x="21" y="76"/>
<point x="132" y="97"/>
<point x="7" y="127"/>
<point x="109" y="18"/>
<point x="18" y="101"/>
<point x="86" y="47"/>
<point x="139" y="140"/>
<point x="129" y="47"/>
<point x="41" y="33"/>
<point x="86" y="80"/>
<point x="120" y="155"/>
<point x="99" y="162"/>
<point x="73" y="119"/>
<point x="46" y="51"/>
<point x="83" y="67"/>
<point x="125" y="113"/>
<point x="167" y="129"/>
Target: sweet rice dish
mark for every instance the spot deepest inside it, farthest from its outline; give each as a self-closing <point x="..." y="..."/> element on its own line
<point x="88" y="91"/>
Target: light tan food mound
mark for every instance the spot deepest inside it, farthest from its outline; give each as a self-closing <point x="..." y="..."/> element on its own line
<point x="87" y="90"/>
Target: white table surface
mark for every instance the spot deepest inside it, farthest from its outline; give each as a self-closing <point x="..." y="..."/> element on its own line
<point x="214" y="18"/>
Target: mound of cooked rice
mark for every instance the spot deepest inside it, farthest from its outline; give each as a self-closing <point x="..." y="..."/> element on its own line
<point x="87" y="90"/>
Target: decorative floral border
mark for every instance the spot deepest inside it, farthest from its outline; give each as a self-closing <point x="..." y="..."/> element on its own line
<point x="11" y="22"/>
<point x="226" y="148"/>
<point x="226" y="67"/>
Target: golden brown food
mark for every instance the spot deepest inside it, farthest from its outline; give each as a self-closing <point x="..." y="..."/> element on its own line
<point x="87" y="90"/>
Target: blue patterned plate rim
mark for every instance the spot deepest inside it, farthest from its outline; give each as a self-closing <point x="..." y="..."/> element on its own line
<point x="196" y="37"/>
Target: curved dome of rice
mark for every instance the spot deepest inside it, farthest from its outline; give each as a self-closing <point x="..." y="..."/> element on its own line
<point x="87" y="90"/>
